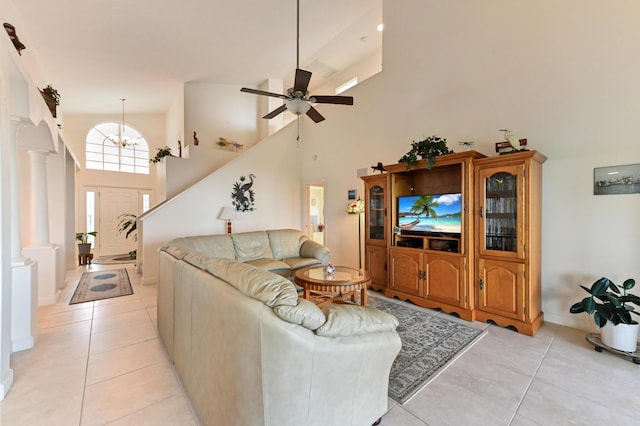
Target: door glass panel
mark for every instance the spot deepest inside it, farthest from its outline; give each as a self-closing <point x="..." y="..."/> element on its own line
<point x="91" y="216"/>
<point x="376" y="213"/>
<point x="501" y="212"/>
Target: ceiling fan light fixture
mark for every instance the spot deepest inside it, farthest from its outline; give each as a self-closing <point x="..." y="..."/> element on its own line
<point x="298" y="106"/>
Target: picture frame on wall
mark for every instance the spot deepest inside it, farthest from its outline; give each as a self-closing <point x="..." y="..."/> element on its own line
<point x="351" y="194"/>
<point x="613" y="180"/>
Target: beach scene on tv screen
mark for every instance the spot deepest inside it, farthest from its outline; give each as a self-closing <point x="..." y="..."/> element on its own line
<point x="430" y="213"/>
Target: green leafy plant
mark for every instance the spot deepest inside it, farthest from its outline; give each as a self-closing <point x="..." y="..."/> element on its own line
<point x="162" y="152"/>
<point x="129" y="227"/>
<point x="51" y="93"/>
<point x="427" y="149"/>
<point x="608" y="302"/>
<point x="84" y="236"/>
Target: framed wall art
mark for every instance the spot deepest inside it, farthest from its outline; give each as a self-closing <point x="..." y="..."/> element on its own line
<point x="616" y="180"/>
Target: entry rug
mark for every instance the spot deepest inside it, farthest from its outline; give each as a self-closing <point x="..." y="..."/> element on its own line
<point x="430" y="343"/>
<point x="113" y="260"/>
<point x="102" y="285"/>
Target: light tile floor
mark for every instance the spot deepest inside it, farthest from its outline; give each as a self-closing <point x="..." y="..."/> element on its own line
<point x="102" y="363"/>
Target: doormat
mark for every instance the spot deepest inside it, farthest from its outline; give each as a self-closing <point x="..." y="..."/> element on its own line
<point x="430" y="343"/>
<point x="113" y="260"/>
<point x="102" y="285"/>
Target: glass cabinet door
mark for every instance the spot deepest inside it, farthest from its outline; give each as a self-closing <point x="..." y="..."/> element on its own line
<point x="501" y="212"/>
<point x="376" y="213"/>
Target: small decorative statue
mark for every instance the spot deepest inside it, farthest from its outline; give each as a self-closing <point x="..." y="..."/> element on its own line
<point x="195" y="139"/>
<point x="11" y="32"/>
<point x="379" y="167"/>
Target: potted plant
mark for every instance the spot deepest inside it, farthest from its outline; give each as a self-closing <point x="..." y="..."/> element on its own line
<point x="84" y="247"/>
<point x="162" y="152"/>
<point x="52" y="98"/>
<point x="427" y="149"/>
<point x="129" y="226"/>
<point x="611" y="307"/>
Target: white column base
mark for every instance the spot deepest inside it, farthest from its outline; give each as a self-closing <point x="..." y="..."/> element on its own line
<point x="48" y="287"/>
<point x="24" y="306"/>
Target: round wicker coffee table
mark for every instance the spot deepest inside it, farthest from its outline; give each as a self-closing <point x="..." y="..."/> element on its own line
<point x="323" y="288"/>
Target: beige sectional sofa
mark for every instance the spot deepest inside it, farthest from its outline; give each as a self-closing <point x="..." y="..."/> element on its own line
<point x="281" y="251"/>
<point x="249" y="351"/>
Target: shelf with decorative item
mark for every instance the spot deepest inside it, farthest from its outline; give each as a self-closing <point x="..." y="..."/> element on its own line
<point x="228" y="145"/>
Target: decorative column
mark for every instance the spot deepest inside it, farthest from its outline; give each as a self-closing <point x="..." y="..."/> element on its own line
<point x="39" y="202"/>
<point x="24" y="286"/>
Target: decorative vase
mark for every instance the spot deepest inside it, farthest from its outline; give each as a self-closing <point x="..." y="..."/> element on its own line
<point x="84" y="248"/>
<point x="623" y="337"/>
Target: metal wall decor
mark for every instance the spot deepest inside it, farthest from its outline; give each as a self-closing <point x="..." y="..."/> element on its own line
<point x="243" y="195"/>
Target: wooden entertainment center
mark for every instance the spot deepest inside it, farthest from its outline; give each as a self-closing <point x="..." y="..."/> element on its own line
<point x="487" y="266"/>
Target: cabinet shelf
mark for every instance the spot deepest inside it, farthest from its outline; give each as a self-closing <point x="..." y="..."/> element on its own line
<point x="503" y="215"/>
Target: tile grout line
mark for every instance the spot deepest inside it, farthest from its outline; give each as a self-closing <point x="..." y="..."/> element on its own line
<point x="533" y="376"/>
<point x="86" y="369"/>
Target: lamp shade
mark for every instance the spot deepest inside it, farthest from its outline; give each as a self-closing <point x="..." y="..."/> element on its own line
<point x="355" y="207"/>
<point x="228" y="213"/>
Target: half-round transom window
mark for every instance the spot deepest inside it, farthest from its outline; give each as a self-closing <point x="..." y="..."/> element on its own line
<point x="103" y="154"/>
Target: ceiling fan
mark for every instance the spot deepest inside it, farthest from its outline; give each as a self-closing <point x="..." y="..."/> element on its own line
<point x="297" y="98"/>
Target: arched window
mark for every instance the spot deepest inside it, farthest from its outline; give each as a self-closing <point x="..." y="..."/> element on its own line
<point x="102" y="154"/>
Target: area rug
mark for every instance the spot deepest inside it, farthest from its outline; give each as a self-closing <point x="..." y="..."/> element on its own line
<point x="430" y="343"/>
<point x="102" y="285"/>
<point x="114" y="260"/>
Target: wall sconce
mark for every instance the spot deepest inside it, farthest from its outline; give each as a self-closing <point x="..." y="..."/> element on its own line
<point x="228" y="214"/>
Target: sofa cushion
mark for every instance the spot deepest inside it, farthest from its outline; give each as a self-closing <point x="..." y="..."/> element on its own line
<point x="305" y="313"/>
<point x="347" y="320"/>
<point x="175" y="251"/>
<point x="286" y="242"/>
<point x="196" y="259"/>
<point x="251" y="246"/>
<point x="269" y="288"/>
<point x="301" y="262"/>
<point x="208" y="245"/>
<point x="269" y="264"/>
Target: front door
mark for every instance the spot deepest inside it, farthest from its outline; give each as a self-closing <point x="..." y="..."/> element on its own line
<point x="112" y="203"/>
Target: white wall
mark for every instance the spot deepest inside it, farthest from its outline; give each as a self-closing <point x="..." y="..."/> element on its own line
<point x="562" y="74"/>
<point x="219" y="110"/>
<point x="196" y="163"/>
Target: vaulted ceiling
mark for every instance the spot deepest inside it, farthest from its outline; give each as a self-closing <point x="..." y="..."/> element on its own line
<point x="96" y="52"/>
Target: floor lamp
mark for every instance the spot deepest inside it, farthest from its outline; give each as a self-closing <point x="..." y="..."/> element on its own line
<point x="357" y="207"/>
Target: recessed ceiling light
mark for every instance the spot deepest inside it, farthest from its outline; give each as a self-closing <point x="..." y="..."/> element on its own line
<point x="380" y="27"/>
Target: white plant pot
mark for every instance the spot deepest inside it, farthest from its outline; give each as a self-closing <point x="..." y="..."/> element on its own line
<point x="623" y="337"/>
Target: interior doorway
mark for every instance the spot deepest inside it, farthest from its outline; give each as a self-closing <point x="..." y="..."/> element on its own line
<point x="315" y="212"/>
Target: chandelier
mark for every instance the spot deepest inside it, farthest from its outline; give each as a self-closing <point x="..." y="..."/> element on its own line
<point x="120" y="140"/>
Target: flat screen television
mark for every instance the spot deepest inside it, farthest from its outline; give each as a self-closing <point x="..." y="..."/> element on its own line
<point x="432" y="214"/>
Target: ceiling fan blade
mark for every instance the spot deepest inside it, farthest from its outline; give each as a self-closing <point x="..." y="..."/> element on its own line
<point x="263" y="93"/>
<point x="315" y="115"/>
<point x="301" y="82"/>
<point x="339" y="100"/>
<point x="276" y="111"/>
